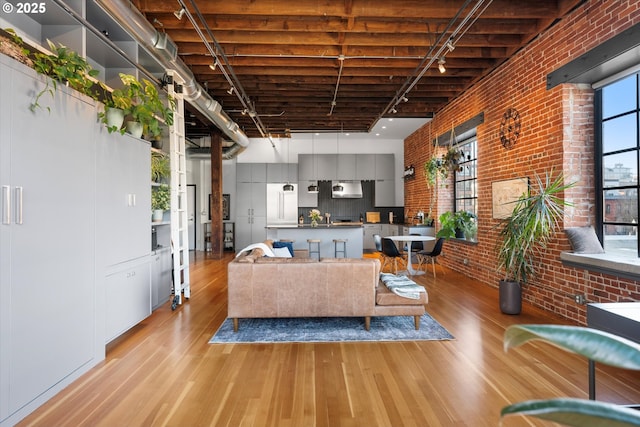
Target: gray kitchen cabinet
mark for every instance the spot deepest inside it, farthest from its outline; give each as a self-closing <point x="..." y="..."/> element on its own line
<point x="306" y="199"/>
<point x="251" y="218"/>
<point x="251" y="172"/>
<point x="282" y="172"/>
<point x="48" y="321"/>
<point x="391" y="230"/>
<point x="385" y="167"/>
<point x="307" y="170"/>
<point x="160" y="277"/>
<point x="327" y="166"/>
<point x="385" y="193"/>
<point x="346" y="167"/>
<point x="366" y="166"/>
<point x="369" y="230"/>
<point x="128" y="287"/>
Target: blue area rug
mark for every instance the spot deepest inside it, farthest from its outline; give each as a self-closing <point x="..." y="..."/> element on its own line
<point x="330" y="329"/>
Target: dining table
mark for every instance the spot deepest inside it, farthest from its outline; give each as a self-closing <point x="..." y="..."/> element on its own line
<point x="406" y="238"/>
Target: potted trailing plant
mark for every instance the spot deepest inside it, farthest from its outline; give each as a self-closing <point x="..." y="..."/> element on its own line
<point x="601" y="347"/>
<point x="457" y="225"/>
<point x="160" y="202"/>
<point x="146" y="106"/>
<point x="524" y="234"/>
<point x="160" y="167"/>
<point x="65" y="66"/>
<point x="115" y="105"/>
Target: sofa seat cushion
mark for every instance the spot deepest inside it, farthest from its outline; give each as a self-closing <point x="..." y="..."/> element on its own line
<point x="385" y="297"/>
<point x="288" y="260"/>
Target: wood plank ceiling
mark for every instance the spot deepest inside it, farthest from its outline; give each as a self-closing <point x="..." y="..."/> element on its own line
<point x="325" y="65"/>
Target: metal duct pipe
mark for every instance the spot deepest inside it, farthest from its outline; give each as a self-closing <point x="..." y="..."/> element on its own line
<point x="165" y="52"/>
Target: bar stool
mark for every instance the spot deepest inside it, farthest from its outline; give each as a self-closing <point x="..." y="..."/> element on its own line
<point x="315" y="250"/>
<point x="342" y="250"/>
<point x="287" y="240"/>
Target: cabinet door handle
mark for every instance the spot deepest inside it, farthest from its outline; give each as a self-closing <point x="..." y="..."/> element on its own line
<point x="6" y="201"/>
<point x="19" y="205"/>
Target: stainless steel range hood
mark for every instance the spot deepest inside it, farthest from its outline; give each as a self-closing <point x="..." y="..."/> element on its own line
<point x="350" y="190"/>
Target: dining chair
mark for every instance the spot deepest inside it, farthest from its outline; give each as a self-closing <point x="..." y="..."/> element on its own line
<point x="425" y="256"/>
<point x="391" y="252"/>
<point x="377" y="240"/>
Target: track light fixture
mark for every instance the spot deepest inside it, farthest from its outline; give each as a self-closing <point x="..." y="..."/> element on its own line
<point x="441" y="66"/>
<point x="213" y="65"/>
<point x="450" y="46"/>
<point x="179" y="13"/>
<point x="230" y="91"/>
<point x="393" y="110"/>
<point x="404" y="99"/>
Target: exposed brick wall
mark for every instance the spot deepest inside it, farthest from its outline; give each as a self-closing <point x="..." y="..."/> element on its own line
<point x="557" y="133"/>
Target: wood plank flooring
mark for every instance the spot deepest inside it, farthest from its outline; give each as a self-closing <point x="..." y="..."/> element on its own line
<point x="164" y="373"/>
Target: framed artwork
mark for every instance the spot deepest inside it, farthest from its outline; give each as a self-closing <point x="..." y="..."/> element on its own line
<point x="226" y="207"/>
<point x="504" y="193"/>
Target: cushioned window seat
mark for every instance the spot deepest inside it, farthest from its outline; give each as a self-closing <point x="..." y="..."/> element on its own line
<point x="612" y="264"/>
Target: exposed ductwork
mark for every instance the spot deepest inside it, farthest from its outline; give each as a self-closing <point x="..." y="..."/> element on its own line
<point x="162" y="48"/>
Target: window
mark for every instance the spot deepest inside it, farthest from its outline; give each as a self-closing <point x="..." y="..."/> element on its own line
<point x="466" y="178"/>
<point x="617" y="154"/>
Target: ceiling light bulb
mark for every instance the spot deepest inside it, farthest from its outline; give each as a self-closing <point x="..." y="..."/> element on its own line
<point x="230" y="91"/>
<point x="441" y="66"/>
<point x="179" y="13"/>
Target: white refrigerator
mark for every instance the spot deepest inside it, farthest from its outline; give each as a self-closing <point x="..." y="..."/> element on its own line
<point x="282" y="206"/>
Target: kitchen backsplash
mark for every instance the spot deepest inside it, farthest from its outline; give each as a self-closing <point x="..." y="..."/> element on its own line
<point x="350" y="209"/>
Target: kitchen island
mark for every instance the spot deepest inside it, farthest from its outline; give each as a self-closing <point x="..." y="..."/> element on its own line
<point x="326" y="233"/>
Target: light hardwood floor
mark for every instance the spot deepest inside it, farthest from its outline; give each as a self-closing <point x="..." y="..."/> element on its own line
<point x="164" y="373"/>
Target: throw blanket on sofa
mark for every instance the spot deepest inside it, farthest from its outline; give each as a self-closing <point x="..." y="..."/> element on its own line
<point x="267" y="250"/>
<point x="402" y="285"/>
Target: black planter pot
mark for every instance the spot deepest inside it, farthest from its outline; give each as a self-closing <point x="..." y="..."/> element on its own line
<point x="459" y="233"/>
<point x="510" y="297"/>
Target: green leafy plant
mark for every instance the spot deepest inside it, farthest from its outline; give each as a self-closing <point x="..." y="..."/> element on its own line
<point x="453" y="222"/>
<point x="161" y="198"/>
<point x="533" y="221"/>
<point x="601" y="347"/>
<point x="63" y="65"/>
<point x="141" y="100"/>
<point x="160" y="167"/>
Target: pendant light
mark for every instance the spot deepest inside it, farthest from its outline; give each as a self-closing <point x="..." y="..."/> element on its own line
<point x="288" y="186"/>
<point x="313" y="188"/>
<point x="338" y="187"/>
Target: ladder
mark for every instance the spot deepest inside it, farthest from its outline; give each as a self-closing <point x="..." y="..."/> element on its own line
<point x="179" y="214"/>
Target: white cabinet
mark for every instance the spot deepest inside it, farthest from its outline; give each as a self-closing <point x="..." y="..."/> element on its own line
<point x="47" y="241"/>
<point x="369" y="231"/>
<point x="307" y="171"/>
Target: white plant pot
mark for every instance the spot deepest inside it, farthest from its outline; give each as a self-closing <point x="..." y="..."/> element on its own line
<point x="115" y="118"/>
<point x="134" y="129"/>
<point x="156" y="215"/>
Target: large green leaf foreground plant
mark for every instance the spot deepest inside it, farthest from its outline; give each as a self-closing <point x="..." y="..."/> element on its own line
<point x="601" y="347"/>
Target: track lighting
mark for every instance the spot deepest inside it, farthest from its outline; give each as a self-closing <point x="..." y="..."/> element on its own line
<point x="441" y="66"/>
<point x="450" y="46"/>
<point x="179" y="13"/>
<point x="213" y="65"/>
<point x="404" y="99"/>
<point x="393" y="110"/>
<point x="230" y="91"/>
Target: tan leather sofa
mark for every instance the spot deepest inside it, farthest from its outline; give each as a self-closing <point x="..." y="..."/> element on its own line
<point x="264" y="287"/>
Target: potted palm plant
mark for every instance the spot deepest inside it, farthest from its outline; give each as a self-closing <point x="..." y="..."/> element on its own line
<point x="523" y="235"/>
